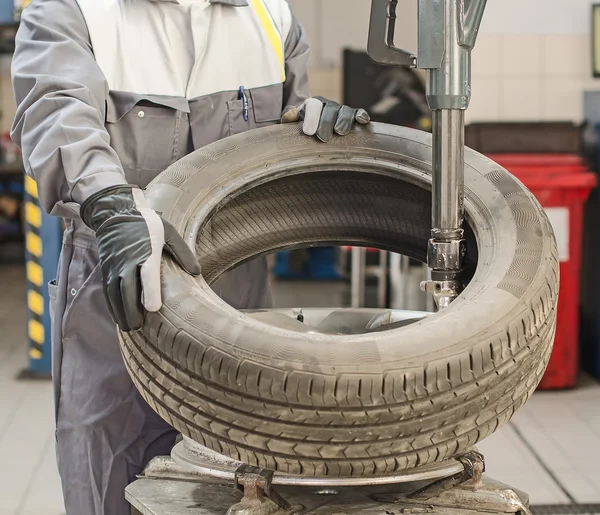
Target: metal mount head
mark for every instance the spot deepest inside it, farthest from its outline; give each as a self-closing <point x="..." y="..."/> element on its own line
<point x="433" y="22"/>
<point x="447" y="33"/>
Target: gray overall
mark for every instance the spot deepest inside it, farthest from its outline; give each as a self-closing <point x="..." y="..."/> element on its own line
<point x="77" y="137"/>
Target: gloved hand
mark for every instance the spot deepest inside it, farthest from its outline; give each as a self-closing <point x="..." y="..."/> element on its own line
<point x="324" y="117"/>
<point x="131" y="238"/>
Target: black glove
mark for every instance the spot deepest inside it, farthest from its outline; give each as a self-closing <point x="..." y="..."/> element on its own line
<point x="323" y="118"/>
<point x="131" y="238"/>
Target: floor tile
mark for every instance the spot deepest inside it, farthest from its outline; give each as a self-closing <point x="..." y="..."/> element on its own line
<point x="569" y="437"/>
<point x="44" y="495"/>
<point x="24" y="442"/>
<point x="579" y="485"/>
<point x="510" y="460"/>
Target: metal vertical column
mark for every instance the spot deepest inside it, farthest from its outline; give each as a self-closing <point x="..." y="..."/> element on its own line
<point x="447" y="246"/>
<point x="43" y="241"/>
<point x="448" y="94"/>
<point x="358" y="277"/>
<point x="382" y="281"/>
<point x="447" y="34"/>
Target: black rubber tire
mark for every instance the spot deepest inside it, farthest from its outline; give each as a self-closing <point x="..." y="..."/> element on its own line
<point x="316" y="404"/>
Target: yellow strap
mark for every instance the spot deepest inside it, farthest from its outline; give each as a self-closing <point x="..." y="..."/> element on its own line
<point x="31" y="186"/>
<point x="35" y="273"/>
<point x="36" y="332"/>
<point x="35" y="302"/>
<point x="35" y="354"/>
<point x="271" y="32"/>
<point x="33" y="244"/>
<point x="33" y="214"/>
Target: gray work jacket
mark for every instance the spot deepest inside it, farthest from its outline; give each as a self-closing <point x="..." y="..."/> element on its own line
<point x="105" y="95"/>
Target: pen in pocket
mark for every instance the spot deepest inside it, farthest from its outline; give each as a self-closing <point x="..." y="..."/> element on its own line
<point x="243" y="97"/>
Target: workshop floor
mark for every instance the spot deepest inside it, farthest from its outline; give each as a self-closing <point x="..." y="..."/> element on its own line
<point x="551" y="449"/>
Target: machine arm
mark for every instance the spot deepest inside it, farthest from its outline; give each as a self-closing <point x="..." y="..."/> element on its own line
<point x="447" y="34"/>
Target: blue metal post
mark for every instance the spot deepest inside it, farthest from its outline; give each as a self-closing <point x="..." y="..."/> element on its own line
<point x="43" y="236"/>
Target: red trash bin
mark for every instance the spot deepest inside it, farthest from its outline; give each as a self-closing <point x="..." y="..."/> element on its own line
<point x="561" y="183"/>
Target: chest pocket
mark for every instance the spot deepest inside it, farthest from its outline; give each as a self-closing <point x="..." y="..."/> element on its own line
<point x="148" y="133"/>
<point x="264" y="107"/>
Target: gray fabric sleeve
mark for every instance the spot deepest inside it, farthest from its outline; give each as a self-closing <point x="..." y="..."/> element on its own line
<point x="61" y="102"/>
<point x="297" y="50"/>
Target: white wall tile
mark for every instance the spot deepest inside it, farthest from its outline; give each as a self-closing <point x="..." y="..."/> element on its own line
<point x="563" y="99"/>
<point x="567" y="55"/>
<point x="307" y="12"/>
<point x="521" y="55"/>
<point x="406" y="36"/>
<point x="326" y="82"/>
<point x="521" y="99"/>
<point x="487" y="55"/>
<point x="537" y="17"/>
<point x="345" y="24"/>
<point x="485" y="100"/>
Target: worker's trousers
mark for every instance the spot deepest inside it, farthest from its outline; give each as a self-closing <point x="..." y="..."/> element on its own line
<point x="105" y="431"/>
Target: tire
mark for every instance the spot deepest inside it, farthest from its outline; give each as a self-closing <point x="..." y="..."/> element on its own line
<point x="317" y="404"/>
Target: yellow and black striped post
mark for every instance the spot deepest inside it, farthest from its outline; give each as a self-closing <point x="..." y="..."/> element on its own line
<point x="43" y="236"/>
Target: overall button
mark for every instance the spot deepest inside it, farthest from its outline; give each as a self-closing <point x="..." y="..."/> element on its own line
<point x="73" y="291"/>
<point x="141" y="114"/>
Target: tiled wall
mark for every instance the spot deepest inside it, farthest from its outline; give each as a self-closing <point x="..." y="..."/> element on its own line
<point x="532" y="60"/>
<point x="520" y="77"/>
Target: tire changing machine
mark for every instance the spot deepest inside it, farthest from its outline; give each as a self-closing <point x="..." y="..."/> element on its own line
<point x="197" y="481"/>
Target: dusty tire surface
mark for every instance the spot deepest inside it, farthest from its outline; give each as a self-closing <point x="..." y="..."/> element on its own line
<point x="318" y="404"/>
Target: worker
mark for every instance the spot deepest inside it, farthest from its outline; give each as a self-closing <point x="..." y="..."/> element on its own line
<point x="109" y="94"/>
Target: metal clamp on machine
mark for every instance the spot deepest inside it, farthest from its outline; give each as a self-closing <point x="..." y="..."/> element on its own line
<point x="446" y="35"/>
<point x="259" y="495"/>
